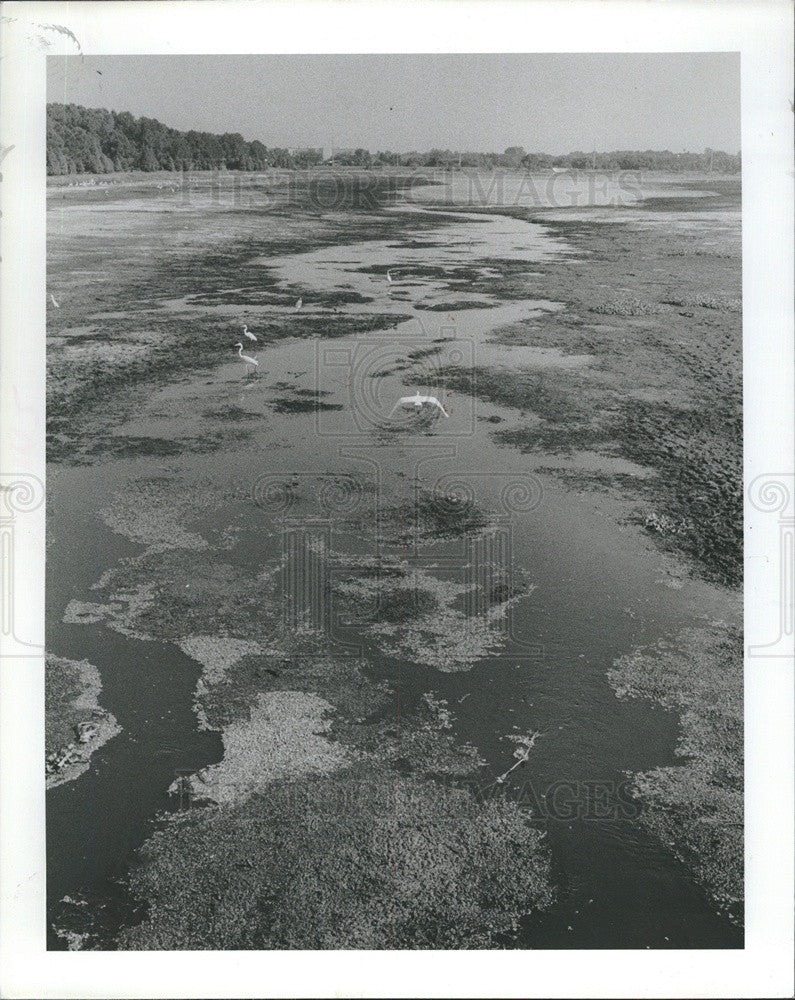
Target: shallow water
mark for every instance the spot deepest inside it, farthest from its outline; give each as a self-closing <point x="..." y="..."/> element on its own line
<point x="549" y="189"/>
<point x="600" y="589"/>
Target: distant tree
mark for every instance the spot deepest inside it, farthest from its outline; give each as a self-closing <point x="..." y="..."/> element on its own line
<point x="512" y="157"/>
<point x="361" y="157"/>
<point x="98" y="141"/>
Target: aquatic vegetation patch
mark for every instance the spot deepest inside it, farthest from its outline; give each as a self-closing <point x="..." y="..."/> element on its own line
<point x="347" y="860"/>
<point x="122" y="612"/>
<point x="719" y="303"/>
<point x="454" y="305"/>
<point x="258" y="297"/>
<point x="428" y="516"/>
<point x="423" y="749"/>
<point x="284" y="736"/>
<point x="425" y="743"/>
<point x="423" y="352"/>
<point x="329" y="325"/>
<point x="343" y="681"/>
<point x="150" y="513"/>
<point x="110" y="446"/>
<point x="171" y="594"/>
<point x="578" y="339"/>
<point x="228" y="698"/>
<point x="450" y="640"/>
<point x="419" y="741"/>
<point x="524" y="389"/>
<point x="216" y="653"/>
<point x="698" y="494"/>
<point x="71" y="689"/>
<point x="695" y="498"/>
<point x="593" y="480"/>
<point x="416" y="617"/>
<point x="75" y="724"/>
<point x="86" y="612"/>
<point x="368" y="599"/>
<point x="551" y="438"/>
<point x="697" y="807"/>
<point x="302" y="404"/>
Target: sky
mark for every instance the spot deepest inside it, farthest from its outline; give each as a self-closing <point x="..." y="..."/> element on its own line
<point x="552" y="103"/>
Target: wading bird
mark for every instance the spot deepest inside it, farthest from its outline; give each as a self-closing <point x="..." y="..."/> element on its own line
<point x="52" y="298"/>
<point x="298" y="304"/>
<point x="417" y="400"/>
<point x="389" y="277"/>
<point x="246" y="358"/>
<point x="247" y="334"/>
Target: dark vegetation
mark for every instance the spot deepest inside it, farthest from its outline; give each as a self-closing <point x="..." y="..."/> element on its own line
<point x="63" y="687"/>
<point x="697" y="806"/>
<point x="438" y="514"/>
<point x="345" y="861"/>
<point x="459" y="305"/>
<point x="302" y="404"/>
<point x="94" y="140"/>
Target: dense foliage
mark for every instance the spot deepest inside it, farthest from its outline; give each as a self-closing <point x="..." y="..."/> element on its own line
<point x="94" y="140"/>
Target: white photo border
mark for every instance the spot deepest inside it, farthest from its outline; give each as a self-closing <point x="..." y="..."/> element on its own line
<point x="762" y="32"/>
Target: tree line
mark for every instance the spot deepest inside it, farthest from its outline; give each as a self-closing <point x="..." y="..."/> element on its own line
<point x="710" y="160"/>
<point x="94" y="140"/>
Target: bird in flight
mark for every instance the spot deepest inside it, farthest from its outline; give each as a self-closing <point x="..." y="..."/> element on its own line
<point x="247" y="334"/>
<point x="417" y="401"/>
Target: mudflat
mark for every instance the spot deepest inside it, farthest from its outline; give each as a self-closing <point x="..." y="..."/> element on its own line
<point x="384" y="614"/>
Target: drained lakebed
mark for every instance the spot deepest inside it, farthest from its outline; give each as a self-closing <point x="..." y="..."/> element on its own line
<point x="355" y="651"/>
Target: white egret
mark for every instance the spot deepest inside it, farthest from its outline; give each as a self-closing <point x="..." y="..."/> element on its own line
<point x="389" y="277"/>
<point x="52" y="298"/>
<point x="298" y="304"/>
<point x="247" y="334"/>
<point x="417" y="400"/>
<point x="245" y="357"/>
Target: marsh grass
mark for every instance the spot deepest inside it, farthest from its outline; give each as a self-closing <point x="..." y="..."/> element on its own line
<point x="626" y="307"/>
<point x="454" y="305"/>
<point x="696" y="807"/>
<point x="366" y="861"/>
<point x="65" y="685"/>
<point x="302" y="404"/>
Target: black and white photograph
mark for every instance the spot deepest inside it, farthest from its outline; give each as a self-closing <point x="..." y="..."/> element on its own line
<point x="394" y="516"/>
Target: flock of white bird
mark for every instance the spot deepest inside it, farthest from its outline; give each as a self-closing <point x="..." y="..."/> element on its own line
<point x="417" y="400"/>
